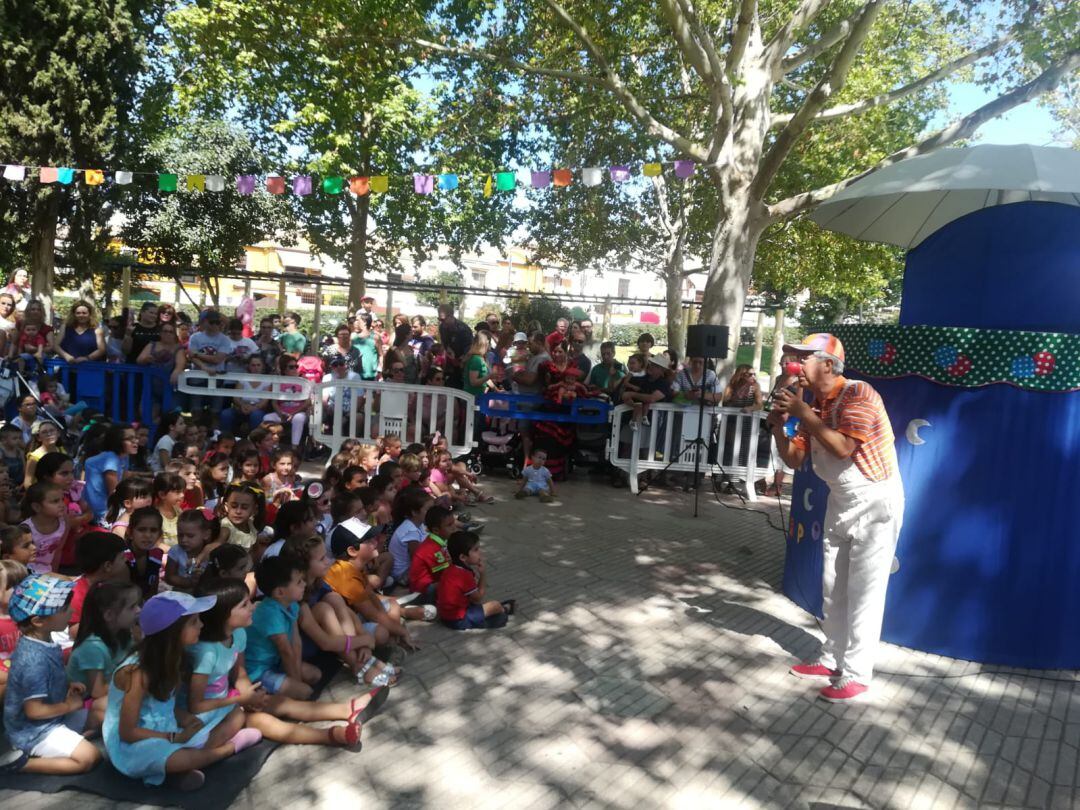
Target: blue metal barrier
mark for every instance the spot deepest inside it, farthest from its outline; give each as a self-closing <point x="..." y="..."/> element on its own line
<point x="581" y="411"/>
<point x="123" y="392"/>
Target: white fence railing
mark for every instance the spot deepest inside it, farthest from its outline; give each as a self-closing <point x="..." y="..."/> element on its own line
<point x="374" y="409"/>
<point x="202" y="384"/>
<point x="730" y="434"/>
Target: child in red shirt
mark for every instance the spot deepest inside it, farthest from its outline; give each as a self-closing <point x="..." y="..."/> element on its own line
<point x="431" y="557"/>
<point x="460" y="595"/>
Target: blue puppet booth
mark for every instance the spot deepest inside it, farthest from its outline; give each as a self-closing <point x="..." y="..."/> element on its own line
<point x="981" y="380"/>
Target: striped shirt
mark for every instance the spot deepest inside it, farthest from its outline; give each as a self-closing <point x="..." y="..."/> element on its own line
<point x="860" y="414"/>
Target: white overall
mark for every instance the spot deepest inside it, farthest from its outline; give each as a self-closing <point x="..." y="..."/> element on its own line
<point x="862" y="525"/>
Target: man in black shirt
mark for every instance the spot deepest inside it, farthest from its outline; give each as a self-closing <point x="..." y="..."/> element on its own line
<point x="456" y="338"/>
<point x="145" y="331"/>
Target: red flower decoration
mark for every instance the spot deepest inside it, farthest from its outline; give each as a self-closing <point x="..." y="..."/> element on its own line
<point x="888" y="357"/>
<point x="1044" y="363"/>
<point x="961" y="367"/>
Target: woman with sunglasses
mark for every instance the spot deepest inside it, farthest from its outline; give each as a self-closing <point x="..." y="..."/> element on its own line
<point x="165" y="353"/>
<point x="291" y="412"/>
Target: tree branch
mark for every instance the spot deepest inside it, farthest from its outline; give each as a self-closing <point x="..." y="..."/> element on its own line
<point x="703" y="37"/>
<point x="618" y="88"/>
<point x="961" y="128"/>
<point x="805" y="14"/>
<point x="485" y="56"/>
<point x="942" y="72"/>
<point x="832" y="82"/>
<point x="744" y="26"/>
<point x="685" y="39"/>
<point x="812" y="51"/>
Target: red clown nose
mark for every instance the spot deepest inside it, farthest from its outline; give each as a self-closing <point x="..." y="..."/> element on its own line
<point x="792" y="368"/>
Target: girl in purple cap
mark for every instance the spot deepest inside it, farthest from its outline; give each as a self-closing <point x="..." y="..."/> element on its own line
<point x="146" y="734"/>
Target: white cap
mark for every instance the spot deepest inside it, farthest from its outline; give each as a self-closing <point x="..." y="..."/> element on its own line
<point x="521" y="337"/>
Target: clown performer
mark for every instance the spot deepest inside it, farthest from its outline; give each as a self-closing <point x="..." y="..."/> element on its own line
<point x="847" y="435"/>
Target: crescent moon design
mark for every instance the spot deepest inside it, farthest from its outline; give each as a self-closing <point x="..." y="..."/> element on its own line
<point x="912" y="431"/>
<point x="806" y="499"/>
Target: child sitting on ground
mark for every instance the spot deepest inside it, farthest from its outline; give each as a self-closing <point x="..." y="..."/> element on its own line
<point x="145" y="558"/>
<point x="129" y="495"/>
<point x="100" y="557"/>
<point x="196" y="537"/>
<point x="168" y="495"/>
<point x="17" y="545"/>
<point x="45" y="515"/>
<point x="460" y="596"/>
<point x="11" y="574"/>
<point x="146" y="734"/>
<point x="536" y="479"/>
<point x="410" y="509"/>
<point x="431" y="557"/>
<point x="44" y="715"/>
<point x="282" y="480"/>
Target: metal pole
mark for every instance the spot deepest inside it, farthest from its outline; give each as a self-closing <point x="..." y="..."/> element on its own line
<point x="315" y="332"/>
<point x="759" y="340"/>
<point x="125" y="288"/>
<point x="282" y="292"/>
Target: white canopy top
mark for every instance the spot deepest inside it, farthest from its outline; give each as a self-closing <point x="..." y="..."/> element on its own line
<point x="904" y="203"/>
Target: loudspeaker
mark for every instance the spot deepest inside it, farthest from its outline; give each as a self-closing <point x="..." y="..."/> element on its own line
<point x="703" y="340"/>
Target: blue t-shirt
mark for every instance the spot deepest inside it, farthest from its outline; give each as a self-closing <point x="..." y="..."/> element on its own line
<point x="215" y="659"/>
<point x="271" y="618"/>
<point x="406" y="534"/>
<point x="96" y="467"/>
<point x="90" y="655"/>
<point x="37" y="672"/>
<point x="537" y="478"/>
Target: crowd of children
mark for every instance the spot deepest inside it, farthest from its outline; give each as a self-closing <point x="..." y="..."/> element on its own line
<point x="184" y="601"/>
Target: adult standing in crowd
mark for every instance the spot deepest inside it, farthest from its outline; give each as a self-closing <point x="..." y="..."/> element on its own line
<point x="80" y="339"/>
<point x="269" y="348"/>
<point x="208" y="349"/>
<point x="8" y="323"/>
<point x="343" y="347"/>
<point x="609" y="372"/>
<point x="165" y="353"/>
<point x="848" y="437"/>
<point x="147" y="329"/>
<point x="456" y="339"/>
<point x="18" y="287"/>
<point x="292" y="340"/>
<point x="364" y="342"/>
<point x="242" y="347"/>
<point x="591" y="347"/>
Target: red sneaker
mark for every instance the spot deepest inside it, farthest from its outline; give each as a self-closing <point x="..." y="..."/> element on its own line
<point x="845" y="690"/>
<point x="813" y="671"/>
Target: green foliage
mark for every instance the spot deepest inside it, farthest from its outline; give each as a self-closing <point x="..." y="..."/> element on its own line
<point x="537" y="309"/>
<point x="204" y="230"/>
<point x="627" y="334"/>
<point x="447" y="279"/>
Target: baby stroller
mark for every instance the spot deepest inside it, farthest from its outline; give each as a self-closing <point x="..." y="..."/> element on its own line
<point x="500" y="447"/>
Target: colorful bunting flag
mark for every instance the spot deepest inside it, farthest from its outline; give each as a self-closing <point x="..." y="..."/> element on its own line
<point x="423" y="183"/>
<point x="592" y="176"/>
<point x="47" y="174"/>
<point x="245" y="184"/>
<point x="333" y="185"/>
<point x="15" y="174"/>
<point x="93" y="177"/>
<point x="563" y="177"/>
<point x="380" y="183"/>
<point x="652" y="169"/>
<point x="541" y="179"/>
<point x="275" y="184"/>
<point x="196" y="182"/>
<point x="359" y="186"/>
<point x="448" y="182"/>
<point x="620" y="174"/>
<point x="684" y="168"/>
<point x="215" y="182"/>
<point x="505" y="181"/>
<point x="122" y="178"/>
<point x="487" y="186"/>
<point x="166" y="182"/>
<point x="301" y="185"/>
<point x="65" y="176"/>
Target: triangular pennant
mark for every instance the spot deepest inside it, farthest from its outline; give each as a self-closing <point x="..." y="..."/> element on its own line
<point x="64" y="176"/>
<point x="487" y="186"/>
<point x="196" y="182"/>
<point x="123" y="178"/>
<point x="15" y="174"/>
<point x="166" y="182"/>
<point x="215" y="182"/>
<point x="333" y="185"/>
<point x="563" y="177"/>
<point x="48" y="174"/>
<point x="301" y="185"/>
<point x="592" y="176"/>
<point x="541" y="179"/>
<point x="652" y="169"/>
<point x="423" y="183"/>
<point x="275" y="184"/>
<point x="505" y="181"/>
<point x="380" y="183"/>
<point x="448" y="182"/>
<point x="619" y="174"/>
<point x="359" y="185"/>
<point x="684" y="168"/>
<point x="93" y="177"/>
<point x="245" y="184"/>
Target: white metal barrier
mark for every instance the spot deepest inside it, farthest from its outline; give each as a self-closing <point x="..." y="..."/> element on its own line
<point x="202" y="384"/>
<point x="731" y="436"/>
<point x="373" y="409"/>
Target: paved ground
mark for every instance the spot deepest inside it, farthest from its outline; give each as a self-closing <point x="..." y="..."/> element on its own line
<point x="647" y="668"/>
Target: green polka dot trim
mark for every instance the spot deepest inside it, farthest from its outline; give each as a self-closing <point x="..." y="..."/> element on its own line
<point x="963" y="357"/>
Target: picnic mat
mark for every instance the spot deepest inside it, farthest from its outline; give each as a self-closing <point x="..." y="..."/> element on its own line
<point x="224" y="780"/>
